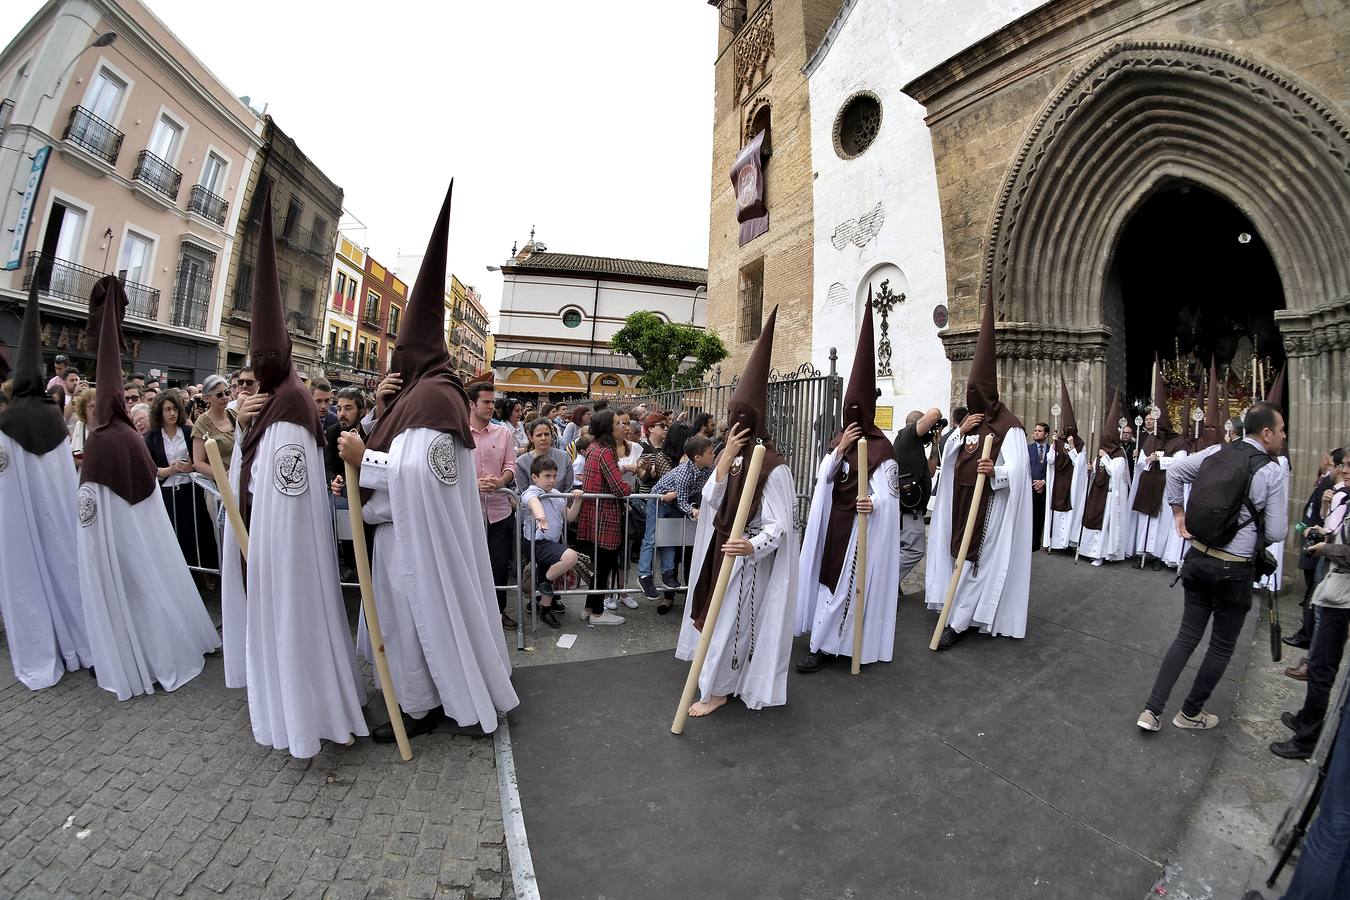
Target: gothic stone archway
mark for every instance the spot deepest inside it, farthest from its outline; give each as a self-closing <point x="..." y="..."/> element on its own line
<point x="1137" y="115"/>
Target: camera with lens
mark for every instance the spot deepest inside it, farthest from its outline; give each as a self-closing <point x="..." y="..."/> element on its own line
<point x="1312" y="536"/>
<point x="940" y="425"/>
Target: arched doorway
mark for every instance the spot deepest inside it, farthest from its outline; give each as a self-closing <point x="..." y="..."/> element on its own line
<point x="1132" y="123"/>
<point x="1191" y="278"/>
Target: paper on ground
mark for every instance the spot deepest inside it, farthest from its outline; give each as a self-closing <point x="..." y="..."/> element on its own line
<point x="566" y="641"/>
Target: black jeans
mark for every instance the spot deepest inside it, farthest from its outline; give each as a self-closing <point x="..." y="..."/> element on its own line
<point x="606" y="563"/>
<point x="500" y="537"/>
<point x="1214" y="589"/>
<point x="1324" y="659"/>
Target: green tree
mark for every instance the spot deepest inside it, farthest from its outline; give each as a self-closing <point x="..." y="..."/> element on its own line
<point x="661" y="347"/>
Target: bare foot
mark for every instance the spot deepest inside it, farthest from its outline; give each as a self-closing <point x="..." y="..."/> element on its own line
<point x="702" y="709"/>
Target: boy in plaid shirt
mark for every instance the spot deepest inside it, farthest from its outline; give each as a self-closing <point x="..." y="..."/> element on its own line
<point x="682" y="491"/>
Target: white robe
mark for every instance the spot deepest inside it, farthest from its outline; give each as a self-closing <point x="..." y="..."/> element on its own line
<point x="829" y="615"/>
<point x="432" y="581"/>
<point x="1168" y="545"/>
<point x="145" y="619"/>
<point x="1111" y="540"/>
<point x="995" y="594"/>
<point x="1060" y="530"/>
<point x="1143" y="530"/>
<point x="233" y="603"/>
<point x="39" y="588"/>
<point x="752" y="640"/>
<point x="303" y="682"/>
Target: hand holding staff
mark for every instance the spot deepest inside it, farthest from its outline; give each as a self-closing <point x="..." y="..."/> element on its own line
<point x="227" y="496"/>
<point x="861" y="580"/>
<point x="372" y="614"/>
<point x="965" y="546"/>
<point x="719" y="590"/>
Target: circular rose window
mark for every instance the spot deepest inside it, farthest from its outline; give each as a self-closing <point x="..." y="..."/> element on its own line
<point x="856" y="126"/>
<point x="571" y="318"/>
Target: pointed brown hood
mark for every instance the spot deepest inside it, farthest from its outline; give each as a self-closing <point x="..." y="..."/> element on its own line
<point x="860" y="406"/>
<point x="1109" y="439"/>
<point x="745" y="409"/>
<point x="1068" y="421"/>
<point x="32" y="420"/>
<point x="1275" y="397"/>
<point x="114" y="452"/>
<point x="269" y="351"/>
<point x="981" y="397"/>
<point x="1061" y="498"/>
<point x="1211" y="431"/>
<point x="432" y="395"/>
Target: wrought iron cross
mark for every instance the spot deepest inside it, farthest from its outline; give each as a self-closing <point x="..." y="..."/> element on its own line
<point x="882" y="302"/>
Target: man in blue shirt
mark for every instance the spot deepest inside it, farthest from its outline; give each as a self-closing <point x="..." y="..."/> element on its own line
<point x="1038" y="448"/>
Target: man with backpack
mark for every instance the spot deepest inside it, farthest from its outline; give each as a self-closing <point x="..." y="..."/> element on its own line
<point x="1237" y="506"/>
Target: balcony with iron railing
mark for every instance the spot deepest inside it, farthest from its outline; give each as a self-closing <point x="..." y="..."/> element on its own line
<point x="93" y="135"/>
<point x="242" y="306"/>
<point x="61" y="278"/>
<point x="301" y="323"/>
<point x="318" y="247"/>
<point x="208" y="205"/>
<point x="190" y="306"/>
<point x="371" y="316"/>
<point x="6" y="112"/>
<point x="345" y="359"/>
<point x="157" y="174"/>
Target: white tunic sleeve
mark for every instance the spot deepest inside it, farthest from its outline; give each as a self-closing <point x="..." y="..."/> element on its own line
<point x="375" y="470"/>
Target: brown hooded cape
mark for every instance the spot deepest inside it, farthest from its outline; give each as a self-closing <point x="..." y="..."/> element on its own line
<point x="981" y="397"/>
<point x="432" y="395"/>
<point x="860" y="406"/>
<point x="115" y="454"/>
<point x="1211" y="431"/>
<point x="1061" y="496"/>
<point x="746" y="409"/>
<point x="32" y="420"/>
<point x="1099" y="485"/>
<point x="1165" y="438"/>
<point x="269" y="349"/>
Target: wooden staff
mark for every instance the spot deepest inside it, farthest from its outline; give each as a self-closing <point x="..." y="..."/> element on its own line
<point x="227" y="497"/>
<point x="372" y="614"/>
<point x="861" y="580"/>
<point x="965" y="546"/>
<point x="719" y="590"/>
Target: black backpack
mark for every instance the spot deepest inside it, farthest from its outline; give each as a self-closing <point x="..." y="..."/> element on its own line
<point x="1219" y="493"/>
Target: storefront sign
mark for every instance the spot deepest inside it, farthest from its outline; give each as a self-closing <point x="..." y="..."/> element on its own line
<point x="15" y="257"/>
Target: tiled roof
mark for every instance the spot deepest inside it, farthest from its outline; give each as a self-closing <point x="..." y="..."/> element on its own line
<point x="608" y="265"/>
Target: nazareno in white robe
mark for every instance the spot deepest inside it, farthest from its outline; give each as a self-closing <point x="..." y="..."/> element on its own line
<point x="1060" y="530"/>
<point x="1168" y="545"/>
<point x="993" y="595"/>
<point x="303" y="682"/>
<point x="432" y="581"/>
<point x="829" y="615"/>
<point x="233" y="603"/>
<point x="1110" y="542"/>
<point x="1144" y="529"/>
<point x="39" y="588"/>
<point x="145" y="619"/>
<point x="752" y="639"/>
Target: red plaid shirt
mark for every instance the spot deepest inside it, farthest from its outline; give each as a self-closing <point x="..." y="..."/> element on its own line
<point x="601" y="521"/>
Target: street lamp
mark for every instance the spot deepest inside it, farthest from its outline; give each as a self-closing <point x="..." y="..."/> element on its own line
<point x="693" y="307"/>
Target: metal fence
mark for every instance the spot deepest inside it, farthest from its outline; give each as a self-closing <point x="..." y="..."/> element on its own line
<point x="803" y="412"/>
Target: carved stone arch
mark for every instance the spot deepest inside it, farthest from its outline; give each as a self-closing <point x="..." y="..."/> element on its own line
<point x="758" y="105"/>
<point x="1145" y="112"/>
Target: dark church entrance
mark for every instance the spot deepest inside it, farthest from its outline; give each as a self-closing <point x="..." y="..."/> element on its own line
<point x="1192" y="277"/>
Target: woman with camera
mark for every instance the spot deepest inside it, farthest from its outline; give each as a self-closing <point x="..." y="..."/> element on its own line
<point x="167" y="441"/>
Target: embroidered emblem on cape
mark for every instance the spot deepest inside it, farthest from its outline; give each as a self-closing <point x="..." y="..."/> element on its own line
<point x="443" y="459"/>
<point x="88" y="505"/>
<point x="972" y="442"/>
<point x="290" y="474"/>
<point x="736" y="465"/>
<point x="894" y="481"/>
<point x="4" y="460"/>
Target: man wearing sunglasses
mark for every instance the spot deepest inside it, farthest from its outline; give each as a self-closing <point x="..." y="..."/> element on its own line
<point x="244" y="384"/>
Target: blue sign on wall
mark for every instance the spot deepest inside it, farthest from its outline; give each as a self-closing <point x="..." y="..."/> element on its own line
<point x="15" y="257"/>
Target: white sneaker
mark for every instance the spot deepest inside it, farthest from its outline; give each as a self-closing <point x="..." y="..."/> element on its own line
<point x="1202" y="722"/>
<point x="1096" y="562"/>
<point x="611" y="603"/>
<point x="1148" y="721"/>
<point x="629" y="602"/>
<point x="607" y="618"/>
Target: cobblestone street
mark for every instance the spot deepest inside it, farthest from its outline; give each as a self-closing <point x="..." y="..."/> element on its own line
<point x="169" y="795"/>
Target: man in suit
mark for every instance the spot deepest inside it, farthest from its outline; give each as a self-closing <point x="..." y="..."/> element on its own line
<point x="1037" y="450"/>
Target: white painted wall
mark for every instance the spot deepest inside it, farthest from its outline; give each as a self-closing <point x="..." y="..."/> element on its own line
<point x="878" y="46"/>
<point x="533" y="305"/>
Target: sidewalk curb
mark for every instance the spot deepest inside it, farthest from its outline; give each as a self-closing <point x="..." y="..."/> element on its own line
<point x="513" y="818"/>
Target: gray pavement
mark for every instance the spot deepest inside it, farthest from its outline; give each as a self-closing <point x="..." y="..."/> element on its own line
<point x="169" y="795"/>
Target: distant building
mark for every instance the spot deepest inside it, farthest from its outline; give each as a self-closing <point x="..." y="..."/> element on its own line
<point x="341" y="362"/>
<point x="306" y="208"/>
<point x="383" y="296"/>
<point x="560" y="310"/>
<point x="120" y="153"/>
<point x="468" y="333"/>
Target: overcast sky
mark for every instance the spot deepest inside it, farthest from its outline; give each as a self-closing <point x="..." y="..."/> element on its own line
<point x="590" y="121"/>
